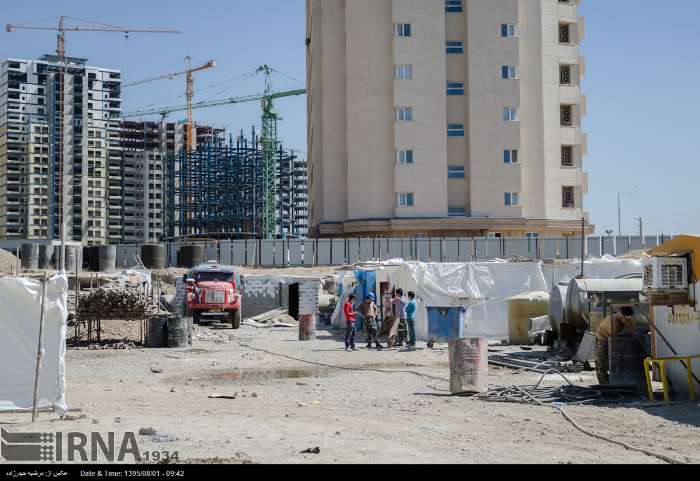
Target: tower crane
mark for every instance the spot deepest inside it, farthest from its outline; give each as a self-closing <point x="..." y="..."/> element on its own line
<point x="268" y="138"/>
<point x="62" y="29"/>
<point x="189" y="71"/>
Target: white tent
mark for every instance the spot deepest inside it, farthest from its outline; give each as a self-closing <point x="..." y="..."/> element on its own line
<point x="20" y="313"/>
<point x="484" y="288"/>
<point x="603" y="268"/>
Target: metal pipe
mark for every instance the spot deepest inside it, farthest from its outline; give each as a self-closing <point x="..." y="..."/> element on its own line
<point x="40" y="350"/>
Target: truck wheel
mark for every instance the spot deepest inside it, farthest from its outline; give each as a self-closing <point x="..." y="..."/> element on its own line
<point x="235" y="318"/>
<point x="196" y="317"/>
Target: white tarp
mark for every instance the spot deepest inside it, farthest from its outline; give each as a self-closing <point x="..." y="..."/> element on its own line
<point x="20" y="313"/>
<point x="484" y="288"/>
<point x="603" y="268"/>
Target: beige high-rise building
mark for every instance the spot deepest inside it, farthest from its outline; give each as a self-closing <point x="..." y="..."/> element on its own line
<point x="445" y="118"/>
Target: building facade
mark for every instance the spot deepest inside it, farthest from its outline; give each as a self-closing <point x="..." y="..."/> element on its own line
<point x="43" y="152"/>
<point x="445" y="118"/>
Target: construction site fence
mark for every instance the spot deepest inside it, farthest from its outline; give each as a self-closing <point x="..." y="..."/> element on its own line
<point x="335" y="252"/>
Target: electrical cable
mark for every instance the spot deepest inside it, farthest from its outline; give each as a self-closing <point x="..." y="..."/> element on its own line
<point x="549" y="398"/>
<point x="343" y="368"/>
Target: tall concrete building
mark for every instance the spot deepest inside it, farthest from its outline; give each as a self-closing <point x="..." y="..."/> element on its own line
<point x="445" y="118"/>
<point x="38" y="155"/>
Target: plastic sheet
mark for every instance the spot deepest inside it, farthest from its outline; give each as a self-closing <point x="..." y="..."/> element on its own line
<point x="20" y="314"/>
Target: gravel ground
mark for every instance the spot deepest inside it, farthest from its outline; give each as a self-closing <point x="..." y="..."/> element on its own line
<point x="283" y="407"/>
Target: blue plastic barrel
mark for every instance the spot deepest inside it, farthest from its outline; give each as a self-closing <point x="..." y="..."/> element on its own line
<point x="445" y="323"/>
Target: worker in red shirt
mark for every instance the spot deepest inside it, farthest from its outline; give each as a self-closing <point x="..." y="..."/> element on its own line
<point x="350" y="332"/>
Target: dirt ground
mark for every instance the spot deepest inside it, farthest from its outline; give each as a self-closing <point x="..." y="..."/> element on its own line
<point x="398" y="413"/>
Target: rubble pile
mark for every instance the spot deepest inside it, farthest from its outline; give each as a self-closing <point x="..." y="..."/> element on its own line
<point x="127" y="303"/>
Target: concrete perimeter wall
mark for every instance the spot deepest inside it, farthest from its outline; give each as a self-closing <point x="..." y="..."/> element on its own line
<point x="331" y="252"/>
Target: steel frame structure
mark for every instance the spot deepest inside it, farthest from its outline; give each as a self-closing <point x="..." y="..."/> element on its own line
<point x="222" y="190"/>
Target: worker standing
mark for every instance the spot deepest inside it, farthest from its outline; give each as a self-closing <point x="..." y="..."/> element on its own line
<point x="612" y="325"/>
<point x="350" y="331"/>
<point x="411" y="309"/>
<point x="369" y="311"/>
<point x="398" y="304"/>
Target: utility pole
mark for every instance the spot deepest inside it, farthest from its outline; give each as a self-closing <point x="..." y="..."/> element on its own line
<point x="640" y="220"/>
<point x="619" y="210"/>
<point x="583" y="247"/>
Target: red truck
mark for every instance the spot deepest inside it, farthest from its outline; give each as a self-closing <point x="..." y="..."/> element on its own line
<point x="211" y="293"/>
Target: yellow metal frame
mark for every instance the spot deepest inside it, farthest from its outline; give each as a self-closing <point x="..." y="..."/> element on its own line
<point x="649" y="364"/>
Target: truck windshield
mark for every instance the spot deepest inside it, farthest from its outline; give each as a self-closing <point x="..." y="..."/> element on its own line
<point x="213" y="276"/>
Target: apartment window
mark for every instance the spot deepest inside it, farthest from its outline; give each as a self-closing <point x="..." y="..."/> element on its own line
<point x="456" y="172"/>
<point x="510" y="156"/>
<point x="402" y="30"/>
<point x="404" y="157"/>
<point x="510" y="114"/>
<point x="455" y="130"/>
<point x="512" y="199"/>
<point x="457" y="212"/>
<point x="567" y="156"/>
<point x="454" y="6"/>
<point x="509" y="30"/>
<point x="564" y="33"/>
<point x="405" y="199"/>
<point x="455" y="46"/>
<point x="565" y="74"/>
<point x="508" y="72"/>
<point x="455" y="88"/>
<point x="404" y="114"/>
<point x="568" y="199"/>
<point x="403" y="72"/>
<point x="567" y="115"/>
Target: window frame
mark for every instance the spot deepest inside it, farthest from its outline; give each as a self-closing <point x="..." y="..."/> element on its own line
<point x="456" y="172"/>
<point x="511" y="114"/>
<point x="508" y="156"/>
<point x="512" y="199"/>
<point x="405" y="200"/>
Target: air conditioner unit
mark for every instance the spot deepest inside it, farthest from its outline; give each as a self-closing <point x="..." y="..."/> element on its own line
<point x="665" y="275"/>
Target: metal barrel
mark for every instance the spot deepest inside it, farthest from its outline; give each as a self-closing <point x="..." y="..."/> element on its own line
<point x="153" y="256"/>
<point x="177" y="332"/>
<point x="190" y="256"/>
<point x="157" y="333"/>
<point x="469" y="366"/>
<point x="73" y="258"/>
<point x="107" y="258"/>
<point x="307" y="327"/>
<point x="627" y="362"/>
<point x="46" y="256"/>
<point x="30" y="257"/>
<point x="557" y="307"/>
<point x="91" y="258"/>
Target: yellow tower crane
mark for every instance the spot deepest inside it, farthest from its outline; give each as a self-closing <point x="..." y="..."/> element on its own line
<point x="189" y="71"/>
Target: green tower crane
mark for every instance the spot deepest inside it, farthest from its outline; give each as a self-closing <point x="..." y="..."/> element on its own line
<point x="268" y="139"/>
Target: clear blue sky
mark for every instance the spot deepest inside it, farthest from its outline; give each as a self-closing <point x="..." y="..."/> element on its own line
<point x="641" y="83"/>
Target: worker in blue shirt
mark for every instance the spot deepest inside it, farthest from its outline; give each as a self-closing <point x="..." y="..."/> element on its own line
<point x="411" y="308"/>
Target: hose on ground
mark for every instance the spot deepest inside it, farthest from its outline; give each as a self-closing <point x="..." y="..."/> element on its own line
<point x="343" y="368"/>
<point x="544" y="397"/>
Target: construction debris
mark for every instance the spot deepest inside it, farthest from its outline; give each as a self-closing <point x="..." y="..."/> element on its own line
<point x="116" y="303"/>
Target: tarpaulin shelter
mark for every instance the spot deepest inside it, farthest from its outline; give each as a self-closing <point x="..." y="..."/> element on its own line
<point x="20" y="314"/>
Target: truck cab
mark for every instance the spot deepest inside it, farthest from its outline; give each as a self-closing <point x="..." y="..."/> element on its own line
<point x="212" y="294"/>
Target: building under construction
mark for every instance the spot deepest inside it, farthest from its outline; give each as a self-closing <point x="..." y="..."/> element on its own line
<point x="217" y="190"/>
<point x="137" y="177"/>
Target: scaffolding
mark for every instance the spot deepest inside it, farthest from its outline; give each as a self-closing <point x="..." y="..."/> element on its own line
<point x="219" y="191"/>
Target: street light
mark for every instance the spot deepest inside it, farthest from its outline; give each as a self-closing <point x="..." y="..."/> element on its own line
<point x="619" y="210"/>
